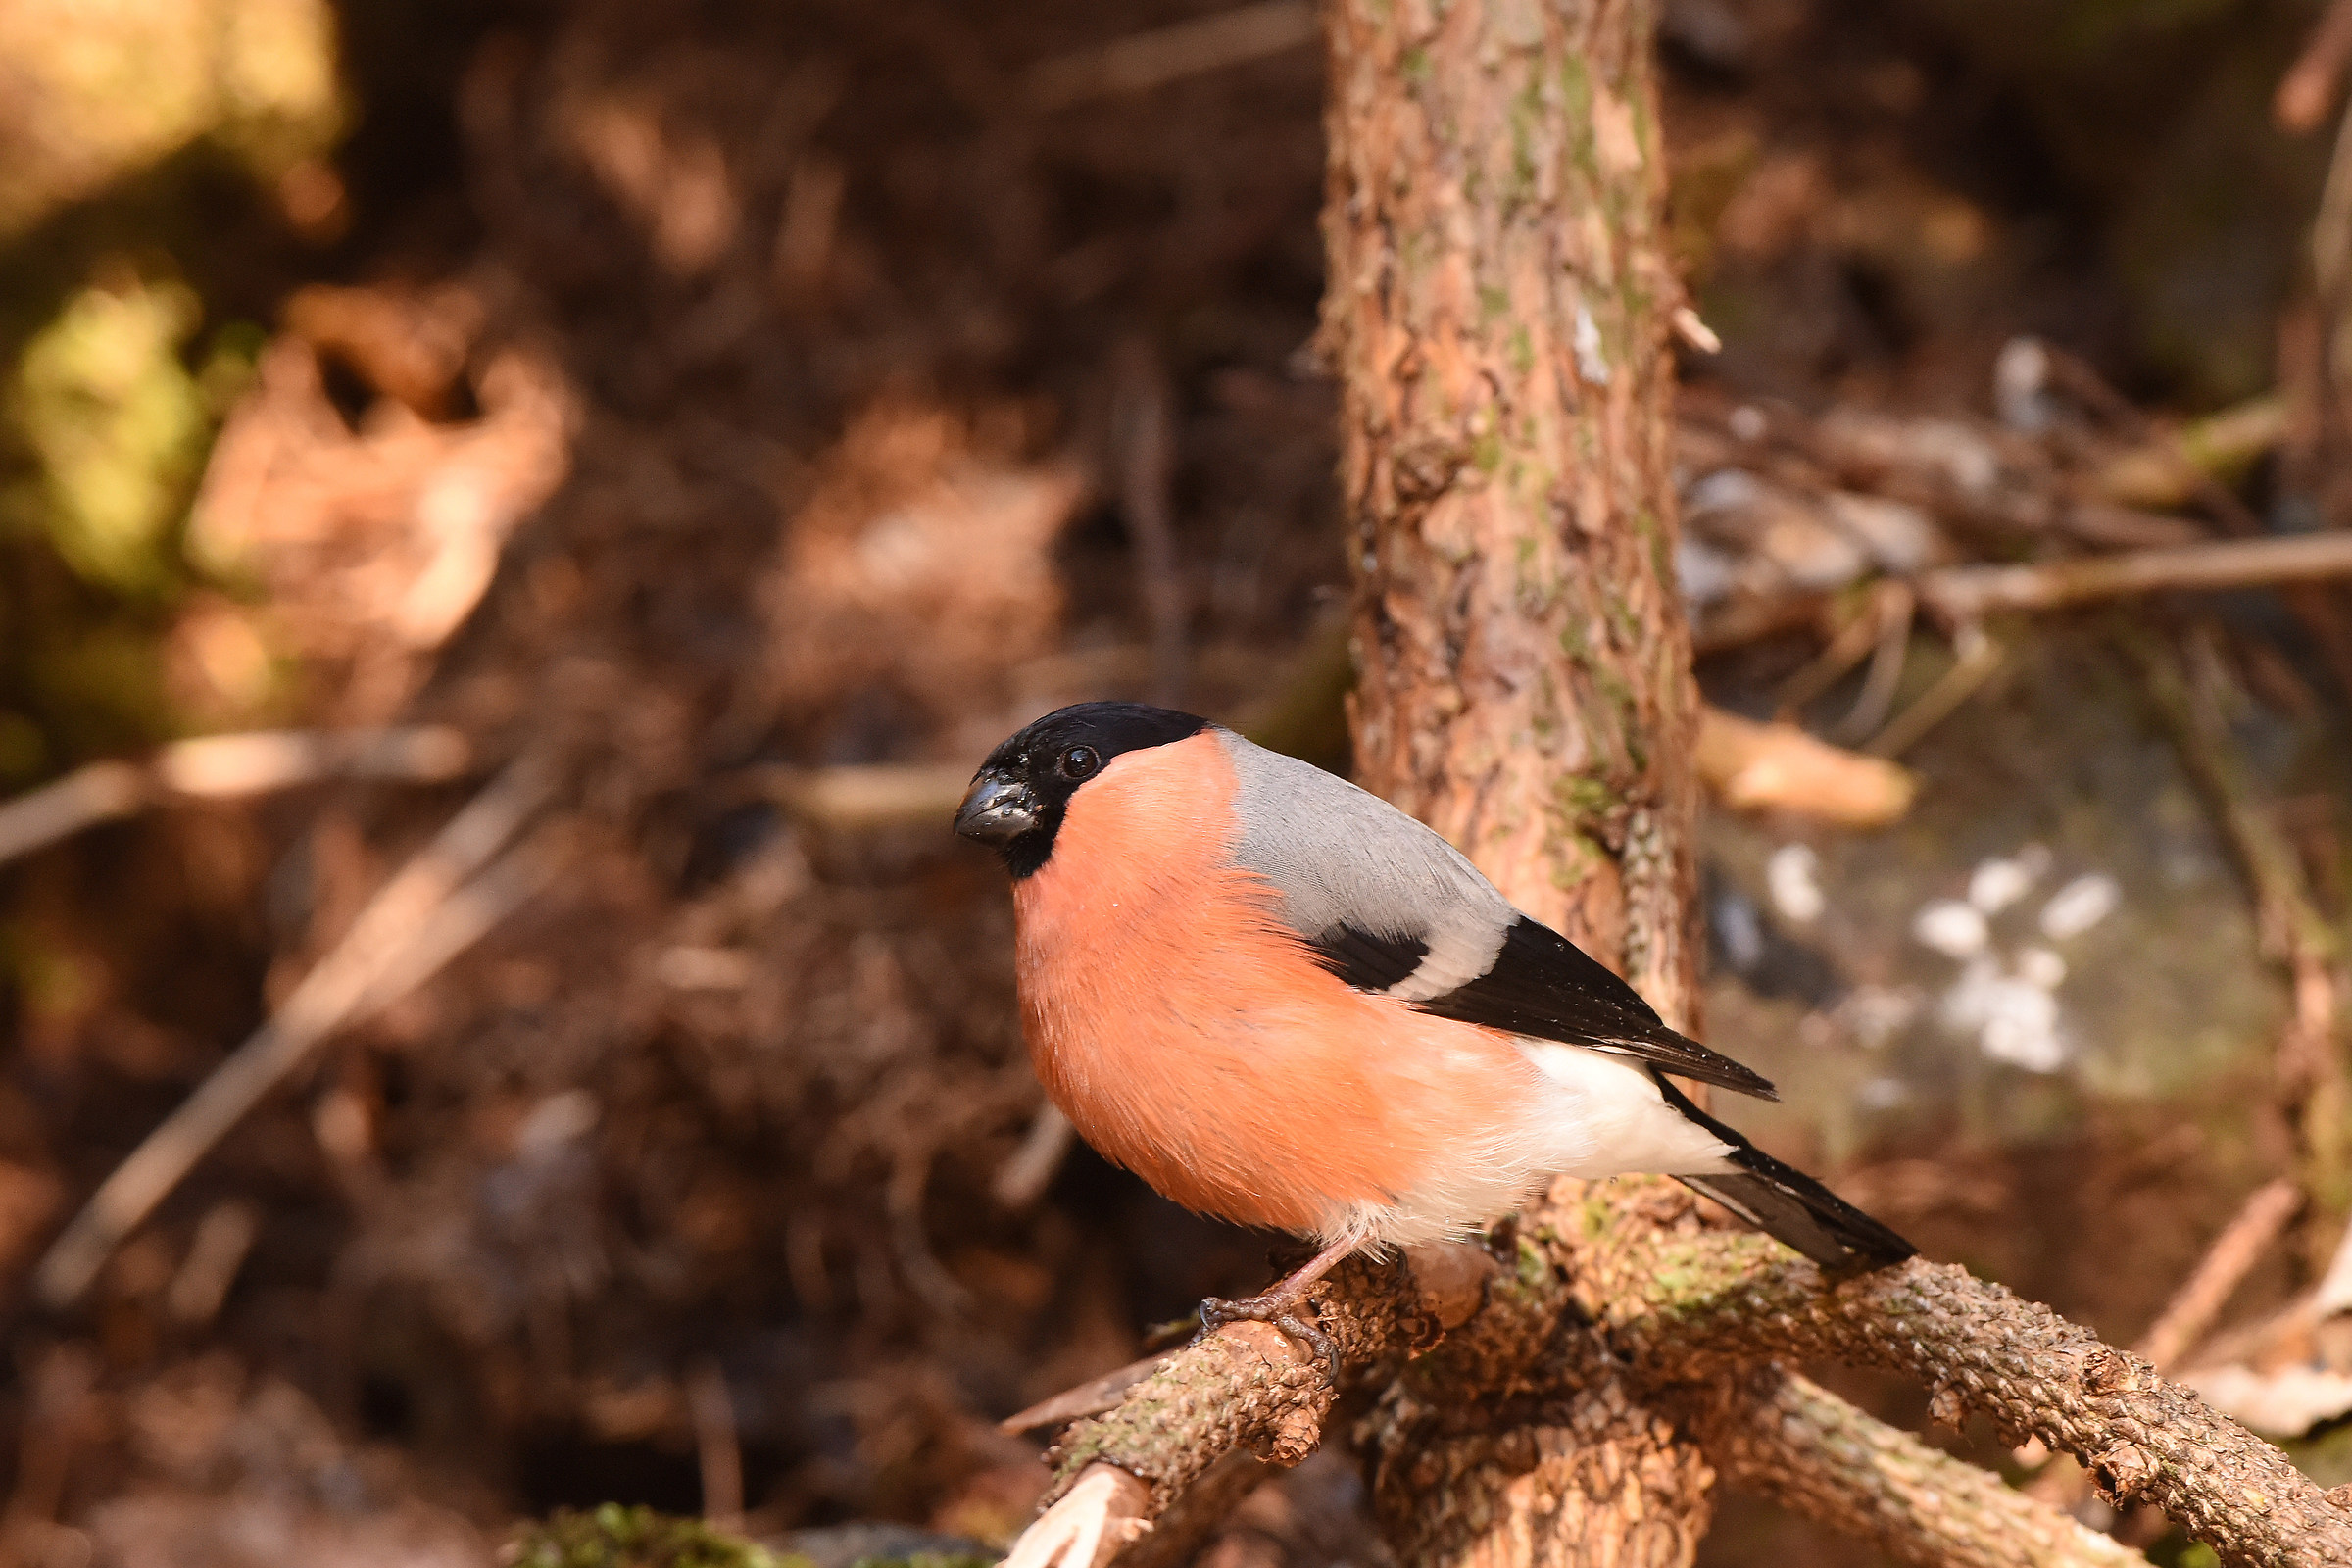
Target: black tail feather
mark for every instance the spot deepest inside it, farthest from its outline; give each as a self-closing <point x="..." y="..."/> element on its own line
<point x="1784" y="1202"/>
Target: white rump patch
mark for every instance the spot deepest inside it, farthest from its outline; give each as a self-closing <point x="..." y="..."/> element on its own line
<point x="1621" y="1122"/>
<point x="1586" y="1114"/>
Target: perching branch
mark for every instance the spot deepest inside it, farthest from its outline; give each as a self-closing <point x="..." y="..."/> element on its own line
<point x="1246" y="1385"/>
<point x="1672" y="1307"/>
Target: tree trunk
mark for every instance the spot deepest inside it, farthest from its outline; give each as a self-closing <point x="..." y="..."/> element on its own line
<point x="1497" y="310"/>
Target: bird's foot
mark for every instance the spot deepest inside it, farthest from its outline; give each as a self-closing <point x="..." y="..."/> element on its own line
<point x="1280" y="1307"/>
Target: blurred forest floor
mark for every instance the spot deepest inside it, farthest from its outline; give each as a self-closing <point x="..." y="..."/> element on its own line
<point x="708" y="400"/>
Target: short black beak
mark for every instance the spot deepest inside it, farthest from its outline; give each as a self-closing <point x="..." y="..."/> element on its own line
<point x="997" y="811"/>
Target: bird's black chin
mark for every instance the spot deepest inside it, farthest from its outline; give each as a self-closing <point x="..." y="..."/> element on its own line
<point x="998" y="810"/>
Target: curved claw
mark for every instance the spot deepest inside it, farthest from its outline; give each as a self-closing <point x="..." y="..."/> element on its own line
<point x="1281" y="1309"/>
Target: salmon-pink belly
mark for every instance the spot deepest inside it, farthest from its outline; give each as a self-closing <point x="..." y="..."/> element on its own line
<point x="1253" y="1086"/>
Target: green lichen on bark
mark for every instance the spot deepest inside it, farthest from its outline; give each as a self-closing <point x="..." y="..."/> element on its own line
<point x="618" y="1536"/>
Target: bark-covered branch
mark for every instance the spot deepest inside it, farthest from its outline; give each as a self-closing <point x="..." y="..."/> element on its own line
<point x="1248" y="1386"/>
<point x="1677" y="1299"/>
<point x="1652" y="1314"/>
<point x="1791" y="1440"/>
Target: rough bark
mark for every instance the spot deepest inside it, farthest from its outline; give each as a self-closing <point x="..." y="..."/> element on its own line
<point x="1809" y="1450"/>
<point x="1682" y="1305"/>
<point x="1626" y="1305"/>
<point x="1246" y="1387"/>
<point x="1495" y="312"/>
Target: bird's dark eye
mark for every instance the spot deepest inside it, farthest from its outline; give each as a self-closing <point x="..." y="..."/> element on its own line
<point x="1081" y="762"/>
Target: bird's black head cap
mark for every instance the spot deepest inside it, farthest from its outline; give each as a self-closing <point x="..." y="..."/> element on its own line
<point x="1021" y="793"/>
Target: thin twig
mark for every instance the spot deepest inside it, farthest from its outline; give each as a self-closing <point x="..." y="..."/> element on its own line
<point x="1023" y="1179"/>
<point x="224" y="1238"/>
<point x="1849" y="647"/>
<point x="426" y="915"/>
<point x="902" y="1197"/>
<point x="1143" y="60"/>
<point x="1091" y="1398"/>
<point x="2196" y="1305"/>
<point x="1967" y="593"/>
<point x="226" y="766"/>
<point x="2293" y="933"/>
<point x="1868" y="715"/>
<point x="2219" y="445"/>
<point x="1144" y="438"/>
<point x="1979" y="657"/>
<point x="717" y="1448"/>
<point x="83" y="798"/>
<point x="2319" y="610"/>
<point x="2076" y="376"/>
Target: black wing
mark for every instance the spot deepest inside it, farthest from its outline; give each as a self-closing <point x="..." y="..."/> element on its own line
<point x="1543" y="986"/>
<point x="1365" y="960"/>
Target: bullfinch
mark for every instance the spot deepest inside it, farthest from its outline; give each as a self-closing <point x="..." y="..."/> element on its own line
<point x="1280" y="1001"/>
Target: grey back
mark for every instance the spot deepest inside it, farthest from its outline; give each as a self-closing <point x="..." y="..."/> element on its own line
<point x="1341" y="857"/>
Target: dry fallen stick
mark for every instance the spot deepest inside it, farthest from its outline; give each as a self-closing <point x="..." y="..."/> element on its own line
<point x="2079" y="376"/>
<point x="1147" y="60"/>
<point x="1968" y="593"/>
<point x="867" y="795"/>
<point x="226" y="766"/>
<point x="426" y="915"/>
<point x="2198" y="1304"/>
<point x="2170" y="470"/>
<point x="1754" y="766"/>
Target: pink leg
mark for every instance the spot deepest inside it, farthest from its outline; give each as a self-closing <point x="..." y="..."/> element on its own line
<point x="1280" y="1306"/>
